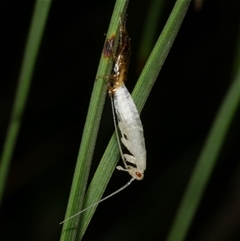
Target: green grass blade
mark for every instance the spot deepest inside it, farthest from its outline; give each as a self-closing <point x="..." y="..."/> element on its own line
<point x="149" y="30"/>
<point x="159" y="53"/>
<point x="206" y="162"/>
<point x="71" y="229"/>
<point x="38" y="22"/>
<point x="140" y="94"/>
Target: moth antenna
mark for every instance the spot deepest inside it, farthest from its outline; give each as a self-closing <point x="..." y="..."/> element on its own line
<point x="96" y="203"/>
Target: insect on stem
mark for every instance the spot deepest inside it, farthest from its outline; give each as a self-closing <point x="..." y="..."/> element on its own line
<point x="125" y="115"/>
<point x="128" y="119"/>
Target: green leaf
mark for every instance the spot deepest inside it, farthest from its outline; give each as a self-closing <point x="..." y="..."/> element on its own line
<point x="35" y="34"/>
<point x="206" y="162"/>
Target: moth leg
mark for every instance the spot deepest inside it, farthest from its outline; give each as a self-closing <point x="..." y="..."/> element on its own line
<point x="130" y="158"/>
<point x="124" y="132"/>
<point x="120" y="168"/>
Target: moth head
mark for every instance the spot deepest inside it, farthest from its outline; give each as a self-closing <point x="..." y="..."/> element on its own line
<point x="135" y="173"/>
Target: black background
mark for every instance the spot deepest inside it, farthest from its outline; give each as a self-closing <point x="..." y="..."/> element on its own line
<point x="176" y="118"/>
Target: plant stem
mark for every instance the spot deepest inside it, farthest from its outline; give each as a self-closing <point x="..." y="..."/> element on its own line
<point x="37" y="27"/>
<point x="72" y="229"/>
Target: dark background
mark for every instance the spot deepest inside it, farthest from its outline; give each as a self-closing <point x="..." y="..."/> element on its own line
<point x="176" y="118"/>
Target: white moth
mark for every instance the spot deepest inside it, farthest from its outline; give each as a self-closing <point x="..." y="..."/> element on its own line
<point x="131" y="129"/>
<point x="128" y="120"/>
